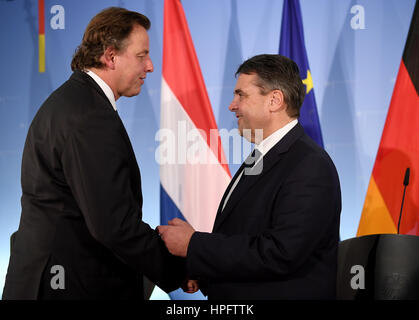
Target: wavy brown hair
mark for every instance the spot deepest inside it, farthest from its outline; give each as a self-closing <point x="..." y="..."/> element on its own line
<point x="109" y="28"/>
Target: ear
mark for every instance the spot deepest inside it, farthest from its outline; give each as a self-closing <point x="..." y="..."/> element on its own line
<point x="108" y="58"/>
<point x="276" y="102"/>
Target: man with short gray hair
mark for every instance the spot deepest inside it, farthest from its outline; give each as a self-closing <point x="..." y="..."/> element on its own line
<point x="276" y="232"/>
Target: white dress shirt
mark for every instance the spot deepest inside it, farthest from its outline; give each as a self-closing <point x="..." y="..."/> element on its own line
<point x="266" y="144"/>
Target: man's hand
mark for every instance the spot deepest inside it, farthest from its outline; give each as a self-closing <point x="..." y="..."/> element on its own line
<point x="190" y="286"/>
<point x="176" y="236"/>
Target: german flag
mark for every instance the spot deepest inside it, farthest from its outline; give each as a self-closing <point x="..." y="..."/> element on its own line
<point x="398" y="150"/>
<point x="41" y="35"/>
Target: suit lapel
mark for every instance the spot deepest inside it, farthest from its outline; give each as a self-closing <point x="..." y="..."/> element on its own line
<point x="268" y="161"/>
<point x="227" y="191"/>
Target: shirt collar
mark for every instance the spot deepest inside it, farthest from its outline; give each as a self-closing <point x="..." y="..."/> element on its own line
<point x="266" y="144"/>
<point x="104" y="86"/>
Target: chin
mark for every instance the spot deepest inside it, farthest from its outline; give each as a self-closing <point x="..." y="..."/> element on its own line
<point x="247" y="134"/>
<point x="133" y="94"/>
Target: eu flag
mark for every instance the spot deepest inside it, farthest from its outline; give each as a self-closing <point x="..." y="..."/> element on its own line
<point x="292" y="46"/>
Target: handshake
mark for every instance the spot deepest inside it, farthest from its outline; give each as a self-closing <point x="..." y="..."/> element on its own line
<point x="176" y="236"/>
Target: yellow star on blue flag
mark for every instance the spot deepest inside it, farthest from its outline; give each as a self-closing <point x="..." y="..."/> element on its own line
<point x="308" y="82"/>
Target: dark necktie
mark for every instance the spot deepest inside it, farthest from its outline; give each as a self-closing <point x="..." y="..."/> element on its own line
<point x="249" y="163"/>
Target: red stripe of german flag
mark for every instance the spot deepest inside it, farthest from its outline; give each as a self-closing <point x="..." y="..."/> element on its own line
<point x="398" y="150"/>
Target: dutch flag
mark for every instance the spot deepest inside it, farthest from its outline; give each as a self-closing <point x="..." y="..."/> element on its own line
<point x="193" y="169"/>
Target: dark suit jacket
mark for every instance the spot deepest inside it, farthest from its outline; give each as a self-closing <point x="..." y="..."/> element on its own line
<point x="81" y="205"/>
<point x="278" y="235"/>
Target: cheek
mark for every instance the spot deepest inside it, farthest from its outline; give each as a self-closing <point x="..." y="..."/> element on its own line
<point x="256" y="118"/>
<point x="134" y="76"/>
<point x="133" y="68"/>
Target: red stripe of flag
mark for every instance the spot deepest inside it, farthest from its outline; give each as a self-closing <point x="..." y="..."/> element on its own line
<point x="183" y="75"/>
<point x="41" y="17"/>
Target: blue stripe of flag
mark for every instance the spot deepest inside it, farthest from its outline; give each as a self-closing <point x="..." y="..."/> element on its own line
<point x="292" y="46"/>
<point x="168" y="209"/>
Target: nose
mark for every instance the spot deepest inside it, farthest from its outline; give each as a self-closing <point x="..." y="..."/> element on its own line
<point x="149" y="66"/>
<point x="233" y="105"/>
